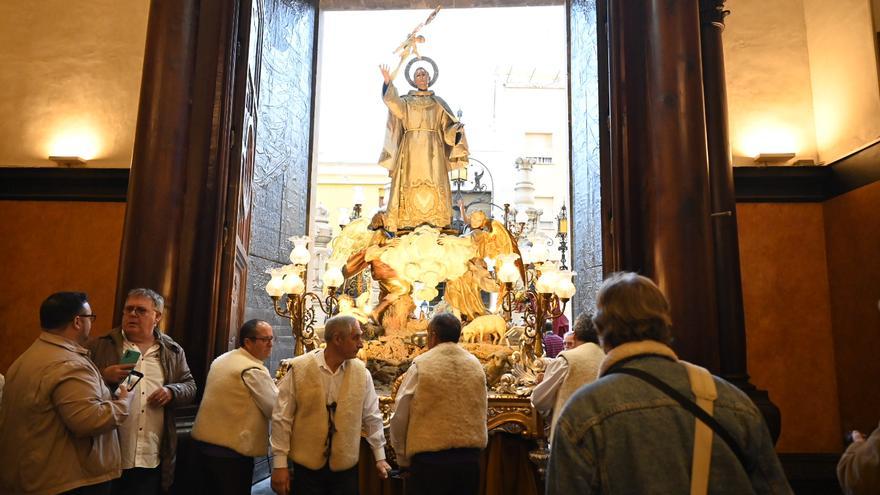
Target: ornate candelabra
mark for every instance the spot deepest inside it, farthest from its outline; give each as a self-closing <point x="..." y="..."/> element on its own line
<point x="544" y="296"/>
<point x="290" y="299"/>
<point x="515" y="224"/>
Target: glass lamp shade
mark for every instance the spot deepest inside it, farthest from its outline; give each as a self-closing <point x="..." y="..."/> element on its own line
<point x="506" y="271"/>
<point x="300" y="254"/>
<point x="554" y="255"/>
<point x="293" y="284"/>
<point x="526" y="252"/>
<point x="546" y="283"/>
<point x="333" y="277"/>
<point x="562" y="226"/>
<point x="522" y="216"/>
<point x="564" y="286"/>
<point x="275" y="287"/>
<point x="460" y="174"/>
<point x="538" y="253"/>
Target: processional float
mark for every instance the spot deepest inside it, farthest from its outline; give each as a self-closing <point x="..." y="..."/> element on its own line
<point x="409" y="253"/>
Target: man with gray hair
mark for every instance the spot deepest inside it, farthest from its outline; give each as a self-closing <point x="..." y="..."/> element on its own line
<point x="324" y="401"/>
<point x="652" y="420"/>
<point x="574" y="367"/>
<point x="148" y="439"/>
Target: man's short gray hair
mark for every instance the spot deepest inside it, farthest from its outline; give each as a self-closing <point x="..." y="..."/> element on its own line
<point x="338" y="325"/>
<point x="630" y="308"/>
<point x="158" y="301"/>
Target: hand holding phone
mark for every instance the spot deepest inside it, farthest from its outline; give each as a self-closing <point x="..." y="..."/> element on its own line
<point x="115" y="373"/>
<point x="130" y="357"/>
<point x="122" y="392"/>
<point x="133" y="379"/>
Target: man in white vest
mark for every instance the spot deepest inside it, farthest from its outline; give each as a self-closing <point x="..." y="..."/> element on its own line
<point x="324" y="402"/>
<point x="439" y="422"/>
<point x="570" y="370"/>
<point x="232" y="425"/>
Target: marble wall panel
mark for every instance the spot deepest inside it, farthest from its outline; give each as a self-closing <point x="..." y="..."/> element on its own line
<point x="586" y="206"/>
<point x="283" y="144"/>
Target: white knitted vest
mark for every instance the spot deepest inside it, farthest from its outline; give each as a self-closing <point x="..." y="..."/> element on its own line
<point x="583" y="368"/>
<point x="308" y="436"/>
<point x="448" y="407"/>
<point x="228" y="415"/>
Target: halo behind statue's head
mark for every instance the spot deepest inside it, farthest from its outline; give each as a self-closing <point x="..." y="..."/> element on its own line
<point x="426" y="63"/>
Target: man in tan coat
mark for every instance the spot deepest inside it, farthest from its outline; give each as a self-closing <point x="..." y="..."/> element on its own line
<point x="58" y="419"/>
<point x="571" y="369"/>
<point x="324" y="402"/>
<point x="439" y="422"/>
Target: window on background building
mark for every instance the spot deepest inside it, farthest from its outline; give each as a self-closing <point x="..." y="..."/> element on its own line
<point x="539" y="147"/>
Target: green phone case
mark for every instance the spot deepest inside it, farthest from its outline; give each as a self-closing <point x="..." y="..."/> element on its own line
<point x="130" y="357"/>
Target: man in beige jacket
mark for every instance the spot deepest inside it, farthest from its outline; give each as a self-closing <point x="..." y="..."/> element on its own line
<point x="58" y="419"/>
<point x="439" y="422"/>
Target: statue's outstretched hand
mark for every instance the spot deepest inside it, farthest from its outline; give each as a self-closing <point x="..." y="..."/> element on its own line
<point x="385" y="74"/>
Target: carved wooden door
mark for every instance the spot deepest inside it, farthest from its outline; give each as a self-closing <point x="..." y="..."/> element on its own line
<point x="237" y="225"/>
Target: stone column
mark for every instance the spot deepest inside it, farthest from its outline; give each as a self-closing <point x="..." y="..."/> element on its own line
<point x="321" y="235"/>
<point x="524" y="193"/>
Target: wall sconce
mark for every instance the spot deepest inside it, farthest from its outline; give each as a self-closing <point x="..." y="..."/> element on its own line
<point x="68" y="161"/>
<point x="766" y="158"/>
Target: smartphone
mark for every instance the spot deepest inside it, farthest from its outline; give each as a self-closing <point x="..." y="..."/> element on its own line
<point x="130" y="357"/>
<point x="132" y="382"/>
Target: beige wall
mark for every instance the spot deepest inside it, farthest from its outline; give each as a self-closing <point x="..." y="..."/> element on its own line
<point x="843" y="66"/>
<point x="852" y="233"/>
<point x="70" y="73"/>
<point x="51" y="246"/>
<point x="789" y="336"/>
<point x="768" y="79"/>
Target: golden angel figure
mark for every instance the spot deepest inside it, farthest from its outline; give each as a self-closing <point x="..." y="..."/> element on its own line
<point x="490" y="240"/>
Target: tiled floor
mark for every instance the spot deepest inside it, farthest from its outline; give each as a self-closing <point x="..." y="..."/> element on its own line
<point x="262" y="488"/>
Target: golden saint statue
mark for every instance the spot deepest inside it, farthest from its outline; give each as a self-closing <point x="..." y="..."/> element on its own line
<point x="424" y="141"/>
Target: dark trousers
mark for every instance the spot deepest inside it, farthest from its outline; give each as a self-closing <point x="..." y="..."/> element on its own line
<point x="323" y="481"/>
<point x="448" y="472"/>
<point x="139" y="481"/>
<point x="98" y="489"/>
<point x="225" y="475"/>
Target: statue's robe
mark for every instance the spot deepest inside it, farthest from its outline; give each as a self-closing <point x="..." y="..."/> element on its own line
<point x="424" y="141"/>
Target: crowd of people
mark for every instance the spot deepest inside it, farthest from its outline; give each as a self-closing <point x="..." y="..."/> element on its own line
<point x="83" y="415"/>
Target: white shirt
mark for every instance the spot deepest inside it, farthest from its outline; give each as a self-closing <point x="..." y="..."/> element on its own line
<point x="262" y="389"/>
<point x="544" y="394"/>
<point x="400" y="418"/>
<point x="285" y="408"/>
<point x="140" y="436"/>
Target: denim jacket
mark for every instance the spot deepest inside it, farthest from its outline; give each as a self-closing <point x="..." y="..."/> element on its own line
<point x="619" y="435"/>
